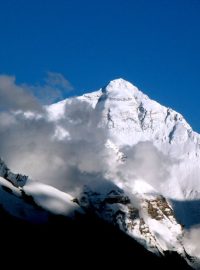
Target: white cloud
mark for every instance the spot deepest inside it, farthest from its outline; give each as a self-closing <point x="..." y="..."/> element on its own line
<point x="192" y="240"/>
<point x="28" y="145"/>
<point x="143" y="162"/>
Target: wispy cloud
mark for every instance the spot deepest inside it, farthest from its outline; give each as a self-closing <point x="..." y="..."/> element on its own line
<point x="16" y="97"/>
<point x="54" y="88"/>
<point x="58" y="80"/>
<point x="26" y="97"/>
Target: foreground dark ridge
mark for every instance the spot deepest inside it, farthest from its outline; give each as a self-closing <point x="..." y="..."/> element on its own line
<point x="87" y="241"/>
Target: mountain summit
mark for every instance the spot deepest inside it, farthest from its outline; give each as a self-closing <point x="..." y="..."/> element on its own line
<point x="121" y="86"/>
<point x="119" y="155"/>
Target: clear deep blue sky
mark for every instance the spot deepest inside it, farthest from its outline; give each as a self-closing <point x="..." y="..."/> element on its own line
<point x="155" y="44"/>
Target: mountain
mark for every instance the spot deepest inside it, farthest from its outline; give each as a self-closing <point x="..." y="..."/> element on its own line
<point x="132" y="164"/>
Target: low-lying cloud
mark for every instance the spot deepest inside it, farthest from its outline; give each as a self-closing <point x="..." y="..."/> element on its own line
<point x="29" y="145"/>
<point x="192" y="240"/>
<point x="146" y="162"/>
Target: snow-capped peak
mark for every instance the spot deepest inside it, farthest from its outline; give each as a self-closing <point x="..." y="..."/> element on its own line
<point x="120" y="86"/>
<point x="128" y="117"/>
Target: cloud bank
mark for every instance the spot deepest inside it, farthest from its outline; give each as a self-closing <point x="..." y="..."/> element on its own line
<point x="28" y="144"/>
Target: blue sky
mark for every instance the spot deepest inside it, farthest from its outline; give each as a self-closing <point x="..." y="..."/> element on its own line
<point x="155" y="44"/>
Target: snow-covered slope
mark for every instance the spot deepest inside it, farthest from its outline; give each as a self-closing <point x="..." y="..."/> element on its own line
<point x="146" y="180"/>
<point x="130" y="117"/>
<point x="32" y="201"/>
<point x="135" y="126"/>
